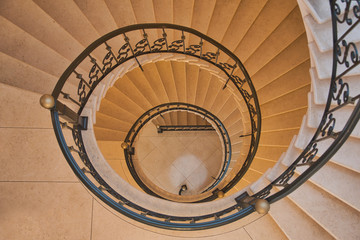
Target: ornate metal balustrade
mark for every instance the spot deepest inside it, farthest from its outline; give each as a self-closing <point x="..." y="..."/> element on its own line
<point x="137" y="43"/>
<point x="329" y="134"/>
<point x="345" y="59"/>
<point x="170" y="107"/>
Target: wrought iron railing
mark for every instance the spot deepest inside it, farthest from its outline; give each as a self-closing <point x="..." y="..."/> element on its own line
<point x="136" y="43"/>
<point x="170" y="107"/>
<point x="345" y="58"/>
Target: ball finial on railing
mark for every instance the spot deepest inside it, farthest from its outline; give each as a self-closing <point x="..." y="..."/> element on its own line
<point x="262" y="206"/>
<point x="47" y="101"/>
<point x="220" y="194"/>
<point x="124" y="145"/>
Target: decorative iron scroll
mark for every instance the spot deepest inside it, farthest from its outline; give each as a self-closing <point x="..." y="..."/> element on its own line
<point x="345" y="59"/>
<point x="100" y="59"/>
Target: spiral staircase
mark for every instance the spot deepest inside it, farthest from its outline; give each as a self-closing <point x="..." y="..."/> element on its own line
<point x="278" y="41"/>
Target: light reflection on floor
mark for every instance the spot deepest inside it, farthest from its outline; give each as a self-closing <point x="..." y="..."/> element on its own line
<point x="171" y="159"/>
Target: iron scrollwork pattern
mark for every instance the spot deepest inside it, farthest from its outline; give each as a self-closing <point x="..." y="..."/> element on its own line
<point x="345" y="59"/>
<point x="101" y="58"/>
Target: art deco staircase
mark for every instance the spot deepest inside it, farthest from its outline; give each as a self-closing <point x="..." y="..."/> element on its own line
<point x="268" y="37"/>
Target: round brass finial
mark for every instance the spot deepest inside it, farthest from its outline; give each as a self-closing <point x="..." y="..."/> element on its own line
<point x="220" y="194"/>
<point x="262" y="206"/>
<point x="47" y="101"/>
<point x="124" y="145"/>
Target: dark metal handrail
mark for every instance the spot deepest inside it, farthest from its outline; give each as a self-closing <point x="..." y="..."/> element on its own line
<point x="346" y="57"/>
<point x="87" y="72"/>
<point x="345" y="54"/>
<point x="170" y="107"/>
<point x="203" y="48"/>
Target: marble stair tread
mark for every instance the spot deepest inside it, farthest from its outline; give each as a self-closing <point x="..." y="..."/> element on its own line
<point x="109" y="122"/>
<point x="324" y="177"/>
<point x="343" y="188"/>
<point x="315" y="113"/>
<point x="32" y="19"/>
<point x="320" y="10"/>
<point x="31" y="50"/>
<point x="323" y="62"/>
<point x="320" y="87"/>
<point x="293" y="220"/>
<point x="104" y="134"/>
<point x="26" y="76"/>
<point x="345" y="156"/>
<point x="328" y="212"/>
<point x="83" y="31"/>
<point x="323" y="32"/>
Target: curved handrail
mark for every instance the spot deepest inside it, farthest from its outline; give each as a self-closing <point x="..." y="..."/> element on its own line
<point x="168" y="107"/>
<point x="205" y="49"/>
<point x="344" y="52"/>
<point x="222" y="59"/>
<point x="345" y="55"/>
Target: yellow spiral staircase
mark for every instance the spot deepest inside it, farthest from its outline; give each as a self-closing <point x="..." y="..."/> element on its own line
<point x="40" y="198"/>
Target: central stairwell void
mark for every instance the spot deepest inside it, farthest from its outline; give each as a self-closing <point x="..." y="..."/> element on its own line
<point x="119" y="93"/>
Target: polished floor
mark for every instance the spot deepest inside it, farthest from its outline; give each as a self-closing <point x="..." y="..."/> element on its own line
<point x="172" y="159"/>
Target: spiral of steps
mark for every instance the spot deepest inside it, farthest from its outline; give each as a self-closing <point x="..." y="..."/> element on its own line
<point x="278" y="41"/>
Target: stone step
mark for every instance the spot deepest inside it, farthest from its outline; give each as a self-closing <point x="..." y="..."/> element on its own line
<point x="343" y="187"/>
<point x="20" y="45"/>
<point x="293" y="220"/>
<point x="83" y="31"/>
<point x="315" y="113"/>
<point x="121" y="99"/>
<point x="108" y="122"/>
<point x="272" y="14"/>
<point x="129" y="88"/>
<point x="321" y="33"/>
<point x="284" y="35"/>
<point x="98" y="14"/>
<point x="104" y="134"/>
<point x="284" y="62"/>
<point x="327" y="214"/>
<point x="21" y="75"/>
<point x="287" y="102"/>
<point x="319" y="10"/>
<point x="281" y="85"/>
<point x="344" y="157"/>
<point x="323" y="62"/>
<point x="32" y="19"/>
<point x="111" y="109"/>
<point x="320" y="87"/>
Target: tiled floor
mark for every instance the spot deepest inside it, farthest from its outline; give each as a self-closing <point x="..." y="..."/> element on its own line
<point x="171" y="159"/>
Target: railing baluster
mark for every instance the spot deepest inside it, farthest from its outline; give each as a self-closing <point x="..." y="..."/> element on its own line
<point x="145" y="35"/>
<point x="67" y="96"/>
<point x="165" y="37"/>
<point x="127" y="40"/>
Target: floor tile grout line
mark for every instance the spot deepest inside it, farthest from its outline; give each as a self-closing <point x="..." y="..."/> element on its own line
<point x="35" y="128"/>
<point x="247" y="233"/>
<point x="92" y="217"/>
<point x="32" y="181"/>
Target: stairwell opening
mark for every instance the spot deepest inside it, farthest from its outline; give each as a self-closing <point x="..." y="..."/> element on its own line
<point x="190" y="155"/>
